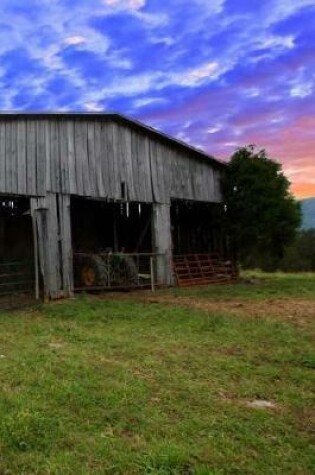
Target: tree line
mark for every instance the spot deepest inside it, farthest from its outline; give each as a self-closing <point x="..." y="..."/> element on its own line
<point x="262" y="216"/>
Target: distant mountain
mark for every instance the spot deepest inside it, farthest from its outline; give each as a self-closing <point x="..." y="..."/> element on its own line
<point x="308" y="212"/>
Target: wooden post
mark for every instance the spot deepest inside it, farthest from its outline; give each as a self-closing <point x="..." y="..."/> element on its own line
<point x="35" y="243"/>
<point x="115" y="228"/>
<point x="65" y="251"/>
<point x="54" y="247"/>
<point x="162" y="243"/>
<point x="152" y="274"/>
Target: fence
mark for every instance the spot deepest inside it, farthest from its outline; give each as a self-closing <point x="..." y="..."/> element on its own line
<point x="203" y="269"/>
<point x="119" y="271"/>
<point x="17" y="283"/>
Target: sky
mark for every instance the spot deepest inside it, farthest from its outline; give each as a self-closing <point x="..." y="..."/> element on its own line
<point x="218" y="74"/>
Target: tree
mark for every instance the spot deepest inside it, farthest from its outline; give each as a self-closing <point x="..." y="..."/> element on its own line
<point x="300" y="255"/>
<point x="262" y="215"/>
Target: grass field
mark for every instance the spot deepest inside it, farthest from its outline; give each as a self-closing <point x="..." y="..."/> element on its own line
<point x="162" y="384"/>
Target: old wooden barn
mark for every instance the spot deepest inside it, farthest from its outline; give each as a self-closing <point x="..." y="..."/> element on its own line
<point x="85" y="193"/>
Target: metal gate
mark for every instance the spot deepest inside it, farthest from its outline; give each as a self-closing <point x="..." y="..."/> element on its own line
<point x="17" y="283"/>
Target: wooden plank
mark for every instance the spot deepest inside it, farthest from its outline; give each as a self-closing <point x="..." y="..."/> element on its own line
<point x="112" y="177"/>
<point x="162" y="239"/>
<point x="166" y="160"/>
<point x="8" y="157"/>
<point x="65" y="244"/>
<point x="78" y="157"/>
<point x="197" y="180"/>
<point x="100" y="190"/>
<point x="14" y="157"/>
<point x="192" y="168"/>
<point x="41" y="158"/>
<point x="147" y="169"/>
<point x="107" y="173"/>
<point x="47" y="154"/>
<point x="21" y="156"/>
<point x="208" y="189"/>
<point x="31" y="177"/>
<point x="182" y="169"/>
<point x="71" y="157"/>
<point x="121" y="161"/>
<point x="40" y="248"/>
<point x="68" y="252"/>
<point x="85" y="158"/>
<point x="157" y="172"/>
<point x="118" y="166"/>
<point x="189" y="174"/>
<point x="217" y="197"/>
<point x="179" y="176"/>
<point x="48" y="244"/>
<point x="138" y="158"/>
<point x="92" y="158"/>
<point x="125" y="137"/>
<point x="113" y="170"/>
<point x="81" y="157"/>
<point x="39" y="211"/>
<point x="35" y="246"/>
<point x="154" y="181"/>
<point x="64" y="156"/>
<point x="2" y="158"/>
<point x="52" y="248"/>
<point x="172" y="174"/>
<point x="54" y="157"/>
<point x="135" y="168"/>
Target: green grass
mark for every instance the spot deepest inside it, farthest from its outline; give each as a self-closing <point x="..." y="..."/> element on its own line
<point x="95" y="386"/>
<point x="259" y="285"/>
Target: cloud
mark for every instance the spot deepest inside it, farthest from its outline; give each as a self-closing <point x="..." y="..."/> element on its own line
<point x="196" y="76"/>
<point x="302" y="90"/>
<point x="217" y="73"/>
<point x="93" y="107"/>
<point x="144" y="101"/>
<point x="75" y="40"/>
<point x="133" y="5"/>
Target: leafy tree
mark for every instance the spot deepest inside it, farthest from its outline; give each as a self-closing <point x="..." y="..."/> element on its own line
<point x="300" y="255"/>
<point x="262" y="215"/>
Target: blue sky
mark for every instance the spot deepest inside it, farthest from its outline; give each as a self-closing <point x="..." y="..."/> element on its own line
<point x="218" y="74"/>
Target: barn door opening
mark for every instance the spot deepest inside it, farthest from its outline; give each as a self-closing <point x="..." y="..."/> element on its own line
<point x="16" y="251"/>
<point x="200" y="244"/>
<point x="112" y="244"/>
<point x="198" y="228"/>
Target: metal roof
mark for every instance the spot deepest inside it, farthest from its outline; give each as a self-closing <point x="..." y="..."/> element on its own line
<point x="120" y="118"/>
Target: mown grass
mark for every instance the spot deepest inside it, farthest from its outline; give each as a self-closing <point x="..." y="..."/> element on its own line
<point x="259" y="285"/>
<point x="94" y="386"/>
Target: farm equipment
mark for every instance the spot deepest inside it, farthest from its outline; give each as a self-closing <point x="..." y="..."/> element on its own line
<point x="104" y="270"/>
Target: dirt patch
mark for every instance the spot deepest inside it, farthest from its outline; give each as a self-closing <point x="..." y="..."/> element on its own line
<point x="299" y="311"/>
<point x="261" y="404"/>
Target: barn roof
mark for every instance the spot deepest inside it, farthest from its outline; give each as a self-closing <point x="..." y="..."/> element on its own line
<point x="124" y="120"/>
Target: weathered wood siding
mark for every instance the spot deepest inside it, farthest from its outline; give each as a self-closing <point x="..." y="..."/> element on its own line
<point x="53" y="227"/>
<point x="93" y="157"/>
<point x="50" y="158"/>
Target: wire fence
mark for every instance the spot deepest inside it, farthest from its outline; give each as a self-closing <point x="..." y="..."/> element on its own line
<point x="17" y="283"/>
<point x="119" y="271"/>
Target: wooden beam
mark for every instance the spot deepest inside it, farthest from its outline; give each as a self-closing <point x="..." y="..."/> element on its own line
<point x="162" y="243"/>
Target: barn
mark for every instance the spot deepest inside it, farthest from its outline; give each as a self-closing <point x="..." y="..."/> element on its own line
<point x="97" y="200"/>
